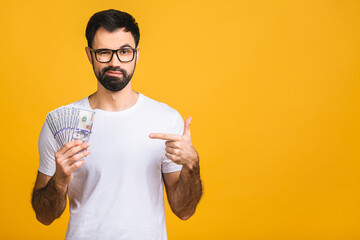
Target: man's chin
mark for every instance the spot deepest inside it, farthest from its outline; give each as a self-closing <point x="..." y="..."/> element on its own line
<point x="113" y="88"/>
<point x="113" y="79"/>
<point x="114" y="84"/>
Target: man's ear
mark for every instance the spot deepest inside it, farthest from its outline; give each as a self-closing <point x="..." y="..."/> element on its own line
<point x="137" y="54"/>
<point x="88" y="54"/>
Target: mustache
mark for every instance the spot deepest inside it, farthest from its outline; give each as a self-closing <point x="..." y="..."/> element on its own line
<point x="123" y="71"/>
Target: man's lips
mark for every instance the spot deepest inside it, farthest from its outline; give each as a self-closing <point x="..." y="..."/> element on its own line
<point x="115" y="73"/>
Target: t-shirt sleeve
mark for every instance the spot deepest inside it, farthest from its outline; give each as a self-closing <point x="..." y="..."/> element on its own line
<point x="47" y="146"/>
<point x="168" y="166"/>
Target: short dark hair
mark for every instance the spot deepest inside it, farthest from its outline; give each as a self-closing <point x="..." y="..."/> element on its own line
<point x="112" y="20"/>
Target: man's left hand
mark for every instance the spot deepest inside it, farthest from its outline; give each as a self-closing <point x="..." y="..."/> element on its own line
<point x="179" y="148"/>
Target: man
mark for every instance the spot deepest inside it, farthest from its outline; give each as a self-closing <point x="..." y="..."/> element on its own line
<point x="136" y="144"/>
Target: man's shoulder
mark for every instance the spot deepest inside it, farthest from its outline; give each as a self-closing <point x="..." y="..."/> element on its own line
<point x="158" y="106"/>
<point x="83" y="103"/>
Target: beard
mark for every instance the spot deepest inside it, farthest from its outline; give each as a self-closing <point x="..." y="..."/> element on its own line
<point x="113" y="83"/>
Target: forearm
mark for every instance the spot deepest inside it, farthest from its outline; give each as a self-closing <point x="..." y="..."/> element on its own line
<point x="49" y="202"/>
<point x="187" y="192"/>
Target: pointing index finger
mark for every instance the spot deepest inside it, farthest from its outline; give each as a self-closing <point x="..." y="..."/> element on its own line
<point x="165" y="136"/>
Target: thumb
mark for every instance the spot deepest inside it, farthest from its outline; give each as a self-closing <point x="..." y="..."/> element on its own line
<point x="187" y="126"/>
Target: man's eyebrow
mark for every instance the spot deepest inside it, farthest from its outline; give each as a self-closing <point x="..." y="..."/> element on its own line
<point x="100" y="49"/>
<point x="126" y="45"/>
<point x="123" y="46"/>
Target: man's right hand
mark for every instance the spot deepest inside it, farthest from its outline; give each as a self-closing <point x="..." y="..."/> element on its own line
<point x="68" y="159"/>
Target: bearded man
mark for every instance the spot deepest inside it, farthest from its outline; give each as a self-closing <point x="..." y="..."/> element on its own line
<point x="114" y="182"/>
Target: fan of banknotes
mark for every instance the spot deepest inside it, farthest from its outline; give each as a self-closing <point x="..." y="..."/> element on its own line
<point x="70" y="123"/>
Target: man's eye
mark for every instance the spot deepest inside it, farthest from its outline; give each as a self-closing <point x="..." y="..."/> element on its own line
<point x="104" y="53"/>
<point x="125" y="51"/>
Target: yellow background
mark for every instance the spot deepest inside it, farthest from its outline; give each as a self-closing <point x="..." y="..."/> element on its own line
<point x="272" y="86"/>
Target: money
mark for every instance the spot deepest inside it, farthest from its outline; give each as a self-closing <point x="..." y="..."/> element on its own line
<point x="70" y="123"/>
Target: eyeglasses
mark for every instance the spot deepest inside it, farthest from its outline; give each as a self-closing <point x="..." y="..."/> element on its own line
<point x="123" y="54"/>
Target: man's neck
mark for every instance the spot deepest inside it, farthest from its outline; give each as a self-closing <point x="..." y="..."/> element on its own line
<point x="113" y="101"/>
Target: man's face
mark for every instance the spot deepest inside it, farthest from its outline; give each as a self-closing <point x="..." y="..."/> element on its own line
<point x="114" y="75"/>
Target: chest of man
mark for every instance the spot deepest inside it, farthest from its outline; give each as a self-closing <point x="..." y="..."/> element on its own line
<point x="122" y="157"/>
<point x="123" y="142"/>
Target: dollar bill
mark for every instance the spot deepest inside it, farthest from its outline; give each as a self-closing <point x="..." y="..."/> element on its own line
<point x="69" y="123"/>
<point x="84" y="125"/>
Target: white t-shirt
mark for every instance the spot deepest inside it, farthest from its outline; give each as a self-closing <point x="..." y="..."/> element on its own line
<point x="118" y="192"/>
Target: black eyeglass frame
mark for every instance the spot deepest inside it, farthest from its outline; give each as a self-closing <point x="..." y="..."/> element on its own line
<point x="112" y="54"/>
